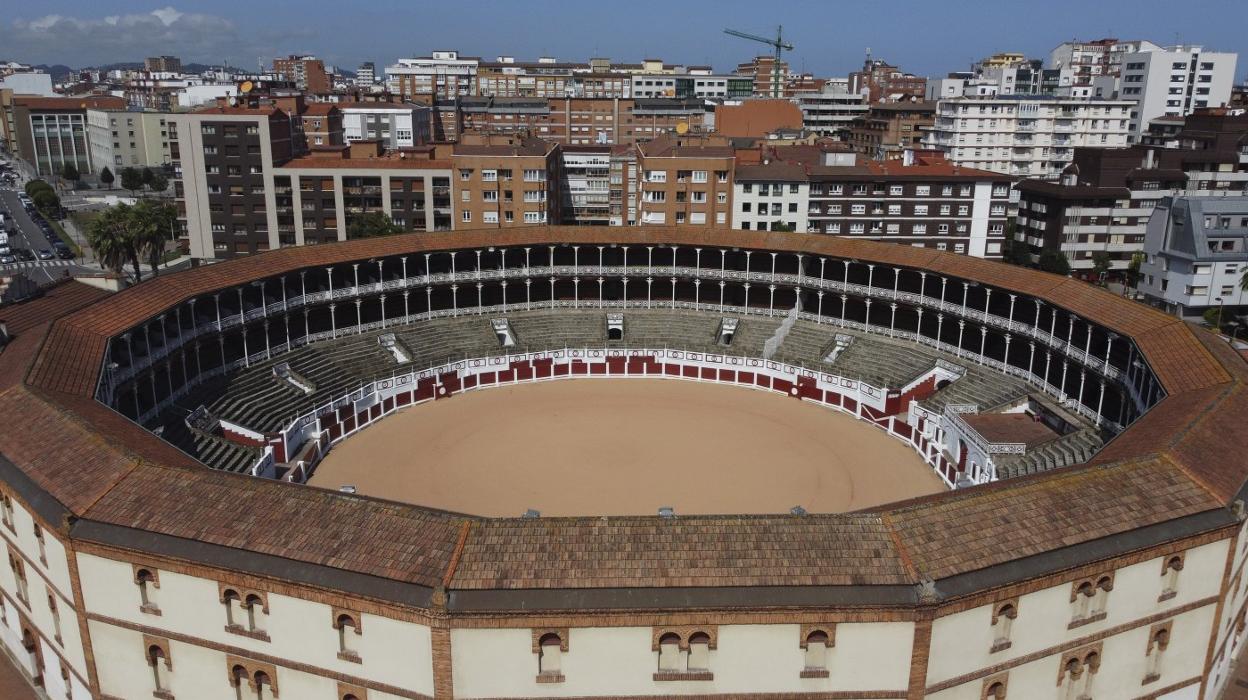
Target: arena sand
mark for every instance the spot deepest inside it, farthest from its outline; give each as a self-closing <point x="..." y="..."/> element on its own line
<point x="626" y="447"/>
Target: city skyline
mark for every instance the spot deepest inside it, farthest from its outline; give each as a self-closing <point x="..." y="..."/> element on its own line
<point x="829" y="40"/>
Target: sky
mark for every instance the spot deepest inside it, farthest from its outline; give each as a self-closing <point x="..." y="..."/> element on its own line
<point x="926" y="37"/>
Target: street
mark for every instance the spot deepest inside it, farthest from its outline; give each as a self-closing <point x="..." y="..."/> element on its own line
<point x="27" y="234"/>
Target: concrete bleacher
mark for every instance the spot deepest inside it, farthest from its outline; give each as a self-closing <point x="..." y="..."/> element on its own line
<point x="215" y="451"/>
<point x="1073" y="448"/>
<point x="257" y="399"/>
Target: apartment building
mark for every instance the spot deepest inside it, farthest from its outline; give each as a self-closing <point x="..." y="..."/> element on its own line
<point x="366" y="74"/>
<point x="127" y="138"/>
<point x="772" y="196"/>
<point x="756" y="118"/>
<point x="880" y="81"/>
<point x="1103" y="201"/>
<point x="306" y="72"/>
<point x="585" y="185"/>
<point x="1173" y="82"/>
<point x="832" y="110"/>
<point x="51" y="132"/>
<point x="575" y="121"/>
<point x="442" y="75"/>
<point x="506" y="180"/>
<point x="768" y="78"/>
<point x="1195" y="256"/>
<point x="889" y="129"/>
<point x="1026" y="136"/>
<point x="1028" y="78"/>
<point x="1092" y="59"/>
<point x="224" y="158"/>
<point x="316" y="196"/>
<point x="162" y="64"/>
<point x="685" y="180"/>
<point x="396" y="125"/>
<point x="321" y="125"/>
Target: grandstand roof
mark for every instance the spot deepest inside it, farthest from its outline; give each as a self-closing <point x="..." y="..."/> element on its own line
<point x="1174" y="473"/>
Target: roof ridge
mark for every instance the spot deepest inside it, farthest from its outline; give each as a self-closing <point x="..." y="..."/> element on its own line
<point x="902" y="553"/>
<point x="458" y="552"/>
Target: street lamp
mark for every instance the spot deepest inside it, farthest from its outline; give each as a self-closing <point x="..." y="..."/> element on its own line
<point x="1221" y="303"/>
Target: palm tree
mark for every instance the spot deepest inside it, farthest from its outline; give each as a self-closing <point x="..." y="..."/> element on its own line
<point x="111" y="237"/>
<point x="152" y="223"/>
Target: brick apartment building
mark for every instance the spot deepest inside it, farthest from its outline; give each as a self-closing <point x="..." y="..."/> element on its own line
<point x="506" y="180"/>
<point x="51" y="132"/>
<point x="306" y="72"/>
<point x="574" y="121"/>
<point x="685" y="180"/>
<point x="888" y="129"/>
<point x="1105" y="197"/>
<point x="881" y="81"/>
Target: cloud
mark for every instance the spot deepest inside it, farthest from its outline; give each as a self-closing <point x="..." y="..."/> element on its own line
<point x="80" y="41"/>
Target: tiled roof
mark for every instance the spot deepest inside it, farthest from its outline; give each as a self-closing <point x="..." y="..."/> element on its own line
<point x="1182" y="461"/>
<point x="1010" y="427"/>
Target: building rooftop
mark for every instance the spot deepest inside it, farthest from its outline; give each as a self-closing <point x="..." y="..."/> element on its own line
<point x="1021" y="428"/>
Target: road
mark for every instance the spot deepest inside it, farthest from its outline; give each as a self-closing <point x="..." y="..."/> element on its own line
<point x="27" y="234"/>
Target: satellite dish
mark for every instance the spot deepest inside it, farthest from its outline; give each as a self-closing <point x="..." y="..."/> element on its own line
<point x="233" y="102"/>
<point x="682" y="128"/>
<point x="246" y="87"/>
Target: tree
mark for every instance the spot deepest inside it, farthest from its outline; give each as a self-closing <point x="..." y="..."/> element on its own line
<point x="152" y="226"/>
<point x="1054" y="261"/>
<point x="46" y="200"/>
<point x="36" y="185"/>
<point x="131" y="179"/>
<point x="1211" y="316"/>
<point x="372" y="224"/>
<point x="159" y="183"/>
<point x="1101" y="261"/>
<point x="112" y="238"/>
<point x="1016" y="252"/>
<point x="106" y="176"/>
<point x="69" y="172"/>
<point x="147" y="176"/>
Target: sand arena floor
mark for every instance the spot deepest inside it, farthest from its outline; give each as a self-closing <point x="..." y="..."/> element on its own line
<point x="626" y="447"/>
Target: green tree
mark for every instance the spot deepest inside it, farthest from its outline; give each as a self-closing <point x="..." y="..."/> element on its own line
<point x="131" y="179"/>
<point x="152" y="226"/>
<point x="147" y="175"/>
<point x="1101" y="261"/>
<point x="1054" y="261"/>
<point x="106" y="176"/>
<point x="69" y="172"/>
<point x="1133" y="270"/>
<point x="372" y="224"/>
<point x="112" y="239"/>
<point x="1211" y="316"/>
<point x="159" y="182"/>
<point x="46" y="200"/>
<point x="36" y="185"/>
<point x="1016" y="253"/>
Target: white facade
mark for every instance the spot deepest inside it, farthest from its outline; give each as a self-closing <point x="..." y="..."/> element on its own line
<point x="398" y="126"/>
<point x="28" y="84"/>
<point x="831" y="110"/>
<point x="1028" y="137"/>
<point x="1196" y="253"/>
<point x="1174" y="81"/>
<point x="443" y="73"/>
<point x="760" y="203"/>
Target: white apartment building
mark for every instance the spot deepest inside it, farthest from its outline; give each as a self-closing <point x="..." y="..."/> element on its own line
<point x="1090" y="59"/>
<point x="586" y="185"/>
<point x="397" y="125"/>
<point x="1174" y="81"/>
<point x="831" y="111"/>
<point x="1026" y="136"/>
<point x="124" y="139"/>
<point x="1196" y="253"/>
<point x="770" y="197"/>
<point x="444" y="74"/>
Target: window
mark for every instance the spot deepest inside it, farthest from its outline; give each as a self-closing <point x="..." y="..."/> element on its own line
<point x="745" y="207"/>
<point x="244" y="613"/>
<point x="857" y="228"/>
<point x="994" y="688"/>
<point x="158" y="659"/>
<point x="919" y="229"/>
<point x="894" y="210"/>
<point x="466" y="216"/>
<point x="534" y="175"/>
<point x="489" y="175"/>
<point x="922" y="190"/>
<point x="6" y="510"/>
<point x="858" y="209"/>
<point x="1077" y="671"/>
<point x="17" y="566"/>
<point x="683" y="658"/>
<point x="1158" y="640"/>
<point x="465" y="173"/>
<point x="699" y="197"/>
<point x="699" y="176"/>
<point x="207" y="130"/>
<point x="550" y="648"/>
<point x="815" y="645"/>
<point x="1170" y="577"/>
<point x="1002" y="620"/>
<point x="147" y="582"/>
<point x="721" y="198"/>
<point x="919" y="210"/>
<point x="1088" y="598"/>
<point x="348" y="627"/>
<point x="533" y="217"/>
<point x="56" y="617"/>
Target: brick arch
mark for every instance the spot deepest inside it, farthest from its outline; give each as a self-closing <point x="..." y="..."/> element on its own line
<point x="828" y="629"/>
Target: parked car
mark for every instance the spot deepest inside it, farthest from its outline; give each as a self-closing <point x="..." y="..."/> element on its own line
<point x="23" y="254"/>
<point x="6" y="259"/>
<point x="45" y="254"/>
<point x="64" y="253"/>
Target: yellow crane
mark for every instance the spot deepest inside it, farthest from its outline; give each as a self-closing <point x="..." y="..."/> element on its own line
<point x="778" y="44"/>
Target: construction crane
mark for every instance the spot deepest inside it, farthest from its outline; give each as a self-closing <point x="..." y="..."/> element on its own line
<point x="779" y="44"/>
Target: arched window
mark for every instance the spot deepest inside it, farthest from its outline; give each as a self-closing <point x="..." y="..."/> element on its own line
<point x="241" y="681"/>
<point x="670" y="653"/>
<point x="255" y="609"/>
<point x="995" y="691"/>
<point x="146" y="582"/>
<point x="699" y="651"/>
<point x="1002" y="622"/>
<point x="159" y="661"/>
<point x="264" y="686"/>
<point x="233" y="607"/>
<point x="348" y="629"/>
<point x="1170" y="577"/>
<point x="19" y="575"/>
<point x="56" y="616"/>
<point x="1158" y="640"/>
<point x="817" y="651"/>
<point x="550" y="655"/>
